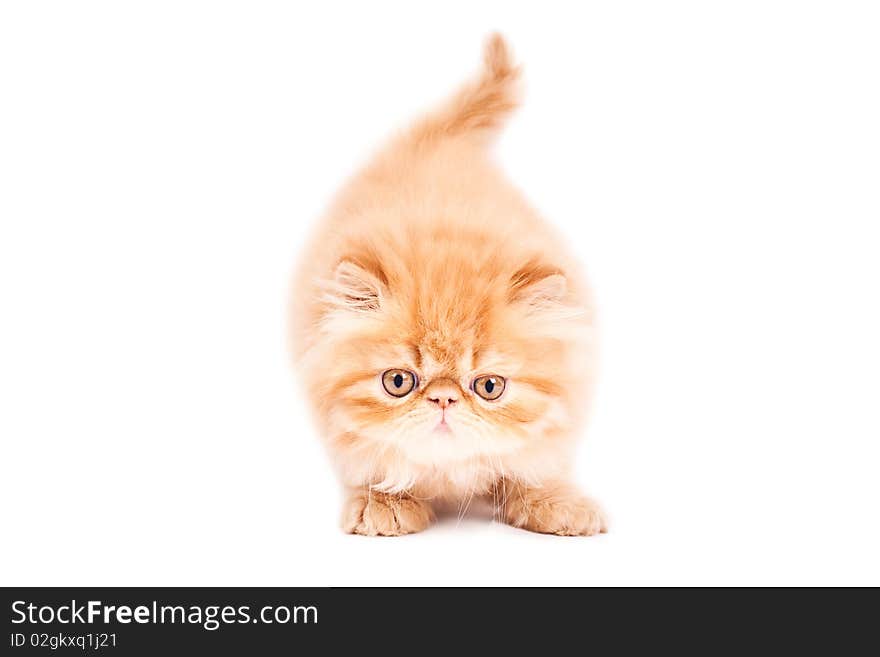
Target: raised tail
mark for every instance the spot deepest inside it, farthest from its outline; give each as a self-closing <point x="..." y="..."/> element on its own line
<point x="479" y="109"/>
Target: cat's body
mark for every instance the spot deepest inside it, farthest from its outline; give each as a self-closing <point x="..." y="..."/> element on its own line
<point x="443" y="332"/>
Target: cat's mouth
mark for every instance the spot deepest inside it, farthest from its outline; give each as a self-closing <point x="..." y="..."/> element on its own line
<point x="442" y="426"/>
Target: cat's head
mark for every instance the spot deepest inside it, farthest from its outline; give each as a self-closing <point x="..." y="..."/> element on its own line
<point x="442" y="353"/>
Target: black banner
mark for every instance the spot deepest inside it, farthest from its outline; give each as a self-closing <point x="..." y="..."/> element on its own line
<point x="150" y="621"/>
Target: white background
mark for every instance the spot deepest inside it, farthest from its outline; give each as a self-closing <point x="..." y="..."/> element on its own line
<point x="715" y="164"/>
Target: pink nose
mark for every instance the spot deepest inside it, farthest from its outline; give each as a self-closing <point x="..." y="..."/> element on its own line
<point x="442" y="392"/>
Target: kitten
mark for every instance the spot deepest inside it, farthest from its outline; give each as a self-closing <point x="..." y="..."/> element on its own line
<point x="444" y="334"/>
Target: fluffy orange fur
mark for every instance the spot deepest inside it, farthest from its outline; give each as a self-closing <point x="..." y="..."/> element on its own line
<point x="430" y="262"/>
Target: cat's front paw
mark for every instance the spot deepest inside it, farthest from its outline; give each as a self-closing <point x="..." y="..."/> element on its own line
<point x="372" y="513"/>
<point x="554" y="511"/>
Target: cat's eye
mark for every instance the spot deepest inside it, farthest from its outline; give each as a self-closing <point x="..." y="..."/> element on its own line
<point x="489" y="387"/>
<point x="399" y="383"/>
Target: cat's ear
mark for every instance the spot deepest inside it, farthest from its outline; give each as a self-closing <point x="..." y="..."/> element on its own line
<point x="537" y="286"/>
<point x="543" y="295"/>
<point x="550" y="290"/>
<point x="353" y="288"/>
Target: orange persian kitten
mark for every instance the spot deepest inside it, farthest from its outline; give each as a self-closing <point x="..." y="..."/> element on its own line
<point x="444" y="332"/>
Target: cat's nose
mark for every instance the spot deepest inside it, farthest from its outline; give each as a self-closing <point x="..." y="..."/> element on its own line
<point x="443" y="393"/>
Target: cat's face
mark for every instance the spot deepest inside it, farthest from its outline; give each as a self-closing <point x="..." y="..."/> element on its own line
<point x="450" y="363"/>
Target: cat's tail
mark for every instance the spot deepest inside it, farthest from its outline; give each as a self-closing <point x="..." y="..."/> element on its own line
<point x="479" y="108"/>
